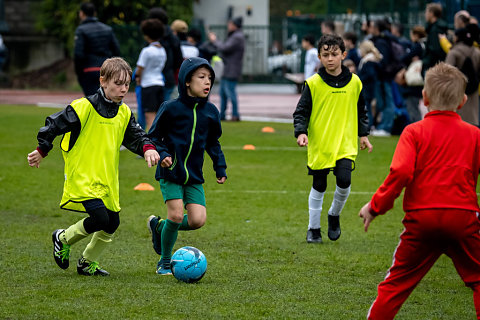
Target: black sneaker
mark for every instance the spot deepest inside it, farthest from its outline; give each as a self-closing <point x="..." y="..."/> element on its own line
<point x="153" y="223"/>
<point x="314" y="236"/>
<point x="85" y="268"/>
<point x="61" y="251"/>
<point x="334" y="227"/>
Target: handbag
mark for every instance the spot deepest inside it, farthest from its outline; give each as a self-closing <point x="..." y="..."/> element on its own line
<point x="413" y="75"/>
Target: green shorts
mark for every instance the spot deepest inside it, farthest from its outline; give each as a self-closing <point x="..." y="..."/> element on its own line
<point x="189" y="194"/>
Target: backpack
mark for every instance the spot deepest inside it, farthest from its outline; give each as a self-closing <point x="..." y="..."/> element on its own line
<point x="398" y="51"/>
<point x="469" y="71"/>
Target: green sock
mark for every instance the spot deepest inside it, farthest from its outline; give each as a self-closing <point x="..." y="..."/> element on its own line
<point x="184" y="225"/>
<point x="169" y="237"/>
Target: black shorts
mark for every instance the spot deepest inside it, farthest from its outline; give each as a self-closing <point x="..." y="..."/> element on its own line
<point x="152" y="98"/>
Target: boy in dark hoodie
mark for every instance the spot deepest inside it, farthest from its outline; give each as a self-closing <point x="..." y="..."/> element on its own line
<point x="329" y="116"/>
<point x="183" y="130"/>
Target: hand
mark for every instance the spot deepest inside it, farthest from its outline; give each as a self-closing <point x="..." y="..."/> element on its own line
<point x="167" y="162"/>
<point x="34" y="158"/>
<point x="151" y="157"/>
<point x="366" y="216"/>
<point x="365" y="144"/>
<point x="221" y="180"/>
<point x="212" y="37"/>
<point x="302" y="140"/>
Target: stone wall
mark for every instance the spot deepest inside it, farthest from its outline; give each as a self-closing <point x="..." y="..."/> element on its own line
<point x="28" y="48"/>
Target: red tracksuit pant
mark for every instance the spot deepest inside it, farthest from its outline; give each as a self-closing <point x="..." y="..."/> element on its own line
<point x="427" y="235"/>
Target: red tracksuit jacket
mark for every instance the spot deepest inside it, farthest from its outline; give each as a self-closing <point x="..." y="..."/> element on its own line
<point x="437" y="160"/>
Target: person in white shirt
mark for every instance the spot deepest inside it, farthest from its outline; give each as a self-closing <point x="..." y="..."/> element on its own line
<point x="312" y="62"/>
<point x="149" y="69"/>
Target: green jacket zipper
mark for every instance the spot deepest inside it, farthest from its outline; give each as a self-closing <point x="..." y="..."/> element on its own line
<point x="191" y="141"/>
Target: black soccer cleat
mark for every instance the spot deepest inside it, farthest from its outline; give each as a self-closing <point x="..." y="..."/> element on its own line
<point x="86" y="268"/>
<point x="61" y="251"/>
<point x="334" y="231"/>
<point x="153" y="224"/>
<point x="314" y="236"/>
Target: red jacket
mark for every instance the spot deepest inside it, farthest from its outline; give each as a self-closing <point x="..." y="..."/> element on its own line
<point x="437" y="160"/>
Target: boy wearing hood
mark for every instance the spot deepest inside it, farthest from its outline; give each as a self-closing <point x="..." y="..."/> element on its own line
<point x="329" y="115"/>
<point x="183" y="130"/>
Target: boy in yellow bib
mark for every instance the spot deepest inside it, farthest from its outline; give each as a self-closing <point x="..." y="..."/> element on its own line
<point x="330" y="114"/>
<point x="94" y="128"/>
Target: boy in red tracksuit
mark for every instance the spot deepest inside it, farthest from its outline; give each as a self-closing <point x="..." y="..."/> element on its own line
<point x="437" y="160"/>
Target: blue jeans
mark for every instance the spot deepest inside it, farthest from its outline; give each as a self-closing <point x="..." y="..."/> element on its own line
<point x="228" y="92"/>
<point x="385" y="105"/>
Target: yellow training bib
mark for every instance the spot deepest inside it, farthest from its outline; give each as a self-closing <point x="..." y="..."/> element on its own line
<point x="333" y="126"/>
<point x="91" y="164"/>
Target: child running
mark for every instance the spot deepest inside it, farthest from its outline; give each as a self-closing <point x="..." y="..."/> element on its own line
<point x="183" y="130"/>
<point x="329" y="116"/>
<point x="437" y="161"/>
<point x="94" y="128"/>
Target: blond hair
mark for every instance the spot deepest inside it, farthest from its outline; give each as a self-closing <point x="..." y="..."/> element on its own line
<point x="445" y="86"/>
<point x="367" y="47"/>
<point x="116" y="68"/>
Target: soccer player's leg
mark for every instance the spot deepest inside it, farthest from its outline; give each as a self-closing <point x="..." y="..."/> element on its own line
<point x="169" y="234"/>
<point x="465" y="252"/>
<point x="343" y="174"/>
<point x="195" y="203"/>
<point x="315" y="202"/>
<point x="63" y="239"/>
<point x="102" y="223"/>
<point x="413" y="258"/>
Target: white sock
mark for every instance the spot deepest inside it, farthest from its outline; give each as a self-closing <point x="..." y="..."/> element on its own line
<point x="315" y="201"/>
<point x="339" y="199"/>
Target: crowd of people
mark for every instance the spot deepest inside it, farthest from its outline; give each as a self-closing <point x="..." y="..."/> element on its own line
<point x="166" y="47"/>
<point x="392" y="67"/>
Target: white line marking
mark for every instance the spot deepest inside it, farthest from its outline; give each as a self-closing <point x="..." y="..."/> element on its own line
<point x="264" y="148"/>
<point x="284" y="191"/>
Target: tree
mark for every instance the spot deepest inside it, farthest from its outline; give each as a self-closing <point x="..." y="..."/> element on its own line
<point x="59" y="18"/>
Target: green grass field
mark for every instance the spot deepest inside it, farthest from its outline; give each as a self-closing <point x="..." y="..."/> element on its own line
<point x="259" y="265"/>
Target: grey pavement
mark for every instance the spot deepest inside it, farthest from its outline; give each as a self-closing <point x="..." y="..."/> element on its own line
<point x="257" y="102"/>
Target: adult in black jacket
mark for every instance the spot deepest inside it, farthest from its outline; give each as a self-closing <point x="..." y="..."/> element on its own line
<point x="435" y="26"/>
<point x="174" y="53"/>
<point x="95" y="42"/>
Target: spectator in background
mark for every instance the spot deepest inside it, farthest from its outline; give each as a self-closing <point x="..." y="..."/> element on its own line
<point x="174" y="53"/>
<point x="149" y="69"/>
<point x="311" y="56"/>
<point x="383" y="91"/>
<point x="397" y="31"/>
<point x="327" y="27"/>
<point x="461" y="20"/>
<point x="350" y="39"/>
<point x="367" y="72"/>
<point x="413" y="93"/>
<point x="434" y="27"/>
<point x="463" y="48"/>
<point x="231" y="51"/>
<point x="180" y="29"/>
<point x="95" y="42"/>
<point x="3" y="54"/>
<point x="367" y="27"/>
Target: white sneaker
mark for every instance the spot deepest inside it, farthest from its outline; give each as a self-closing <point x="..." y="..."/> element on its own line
<point x="380" y="133"/>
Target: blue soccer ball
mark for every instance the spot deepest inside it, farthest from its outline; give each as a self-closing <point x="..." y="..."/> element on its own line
<point x="189" y="264"/>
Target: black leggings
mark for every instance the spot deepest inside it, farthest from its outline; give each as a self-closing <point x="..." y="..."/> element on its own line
<point x="100" y="218"/>
<point x="342" y="171"/>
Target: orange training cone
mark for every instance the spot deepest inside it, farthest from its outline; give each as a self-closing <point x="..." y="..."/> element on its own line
<point x="144" y="187"/>
<point x="268" y="129"/>
<point x="249" y="147"/>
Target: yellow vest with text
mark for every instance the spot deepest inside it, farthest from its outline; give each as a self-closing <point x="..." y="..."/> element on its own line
<point x="333" y="126"/>
<point x="91" y="165"/>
